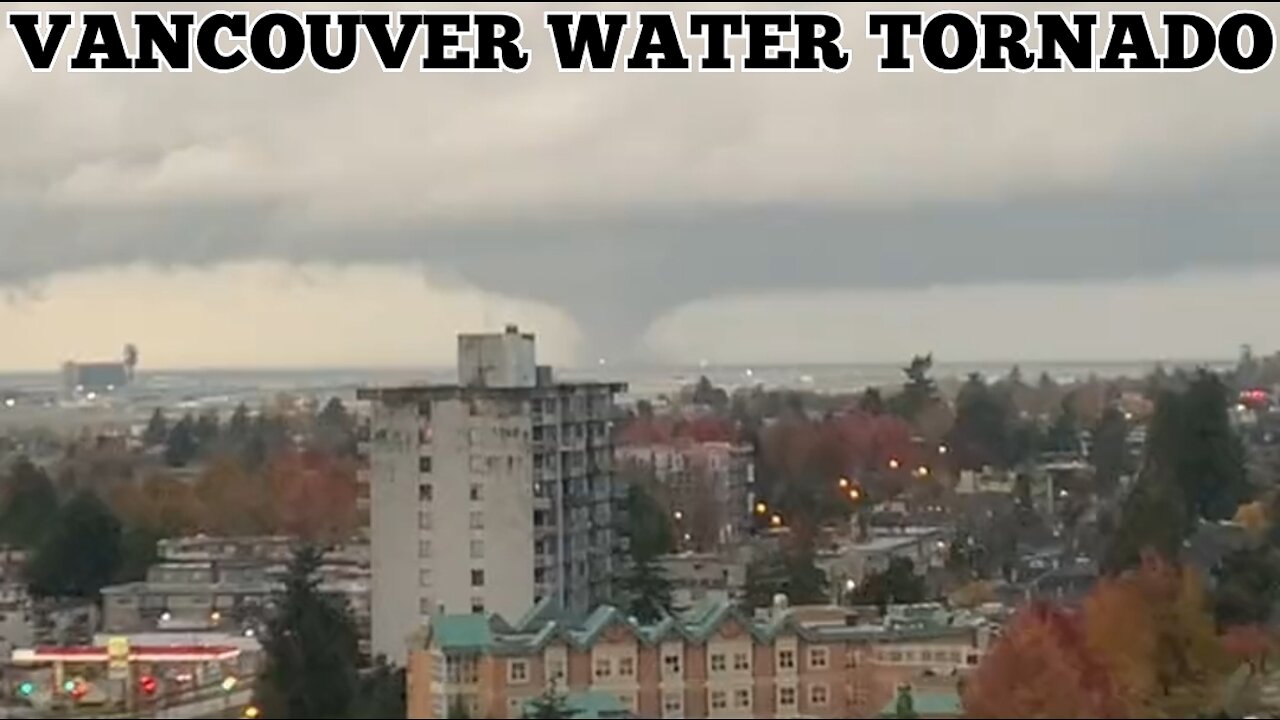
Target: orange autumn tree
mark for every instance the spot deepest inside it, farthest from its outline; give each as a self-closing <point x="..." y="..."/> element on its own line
<point x="159" y="504"/>
<point x="1152" y="629"/>
<point x="1042" y="667"/>
<point x="314" y="495"/>
<point x="235" y="501"/>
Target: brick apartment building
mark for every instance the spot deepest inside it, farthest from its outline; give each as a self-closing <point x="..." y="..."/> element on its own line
<point x="711" y="662"/>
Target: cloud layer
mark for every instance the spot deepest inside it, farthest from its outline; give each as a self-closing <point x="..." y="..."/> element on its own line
<point x="619" y="198"/>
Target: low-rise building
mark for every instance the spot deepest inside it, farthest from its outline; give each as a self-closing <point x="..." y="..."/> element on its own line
<point x="227" y="584"/>
<point x="696" y="577"/>
<point x="706" y="486"/>
<point x="712" y="661"/>
<point x="848" y="562"/>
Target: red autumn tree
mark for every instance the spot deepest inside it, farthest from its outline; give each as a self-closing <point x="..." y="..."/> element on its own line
<point x="314" y="495"/>
<point x="1250" y="644"/>
<point x="1042" y="667"/>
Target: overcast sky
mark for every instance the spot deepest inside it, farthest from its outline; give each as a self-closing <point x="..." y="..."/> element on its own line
<point x="363" y="219"/>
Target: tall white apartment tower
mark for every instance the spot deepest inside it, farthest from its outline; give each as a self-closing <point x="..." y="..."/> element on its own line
<point x="490" y="494"/>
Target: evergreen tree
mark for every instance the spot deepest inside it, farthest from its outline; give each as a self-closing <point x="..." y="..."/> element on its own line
<point x="181" y="446"/>
<point x="1108" y="451"/>
<point x="157" y="429"/>
<point x="982" y="432"/>
<point x="238" y="426"/>
<point x="705" y="393"/>
<point x="28" y="502"/>
<point x="648" y="590"/>
<point x="81" y="552"/>
<point x="897" y="584"/>
<point x="918" y="392"/>
<point x="1154" y="515"/>
<point x="791" y="572"/>
<point x="381" y="692"/>
<point x="310" y="649"/>
<point x="904" y="706"/>
<point x="649" y="534"/>
<point x="1209" y="454"/>
<point x="1247" y="587"/>
<point x="336" y="429"/>
<point x="207" y="430"/>
<point x="871" y="402"/>
<point x="647" y="526"/>
<point x="1064" y="433"/>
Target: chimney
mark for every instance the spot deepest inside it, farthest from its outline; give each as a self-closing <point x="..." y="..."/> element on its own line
<point x="779" y="604"/>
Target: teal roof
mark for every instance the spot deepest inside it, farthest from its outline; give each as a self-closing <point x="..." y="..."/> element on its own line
<point x="592" y="705"/>
<point x="462" y="633"/>
<point x="545" y="624"/>
<point x="928" y="704"/>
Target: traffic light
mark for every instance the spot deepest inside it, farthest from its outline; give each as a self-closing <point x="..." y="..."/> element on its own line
<point x="147" y="684"/>
<point x="26" y="688"/>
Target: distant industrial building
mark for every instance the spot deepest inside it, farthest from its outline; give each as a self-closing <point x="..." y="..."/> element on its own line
<point x="91" y="379"/>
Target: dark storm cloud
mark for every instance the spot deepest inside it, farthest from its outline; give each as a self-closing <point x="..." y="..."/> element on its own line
<point x="621" y="198"/>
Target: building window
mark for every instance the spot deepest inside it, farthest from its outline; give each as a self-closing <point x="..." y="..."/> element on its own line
<point x="626" y="667"/>
<point x="424" y="519"/>
<point x="424" y="492"/>
<point x="817" y="658"/>
<point x="895" y="656"/>
<point x="477" y="520"/>
<point x="672" y="704"/>
<point x="971" y="660"/>
<point x="518" y="671"/>
<point x="818" y="695"/>
<point x="787" y="659"/>
<point x="424" y="548"/>
<point x="671" y="664"/>
<point x="604" y="668"/>
<point x="424" y="605"/>
<point x="424" y="578"/>
<point x="477" y="491"/>
<point x="719" y="701"/>
<point x="424" y="464"/>
<point x="477" y="605"/>
<point x="926" y="656"/>
<point x="741" y="661"/>
<point x="555" y="670"/>
<point x="786" y="697"/>
<point x="477" y="578"/>
<point x="742" y="698"/>
<point x="717" y="662"/>
<point x="477" y="548"/>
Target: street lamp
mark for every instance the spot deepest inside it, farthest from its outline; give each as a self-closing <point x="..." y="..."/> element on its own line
<point x="844" y="483"/>
<point x="761" y="508"/>
<point x="678" y="515"/>
<point x="855" y="494"/>
<point x="893" y="463"/>
<point x="776" y="520"/>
